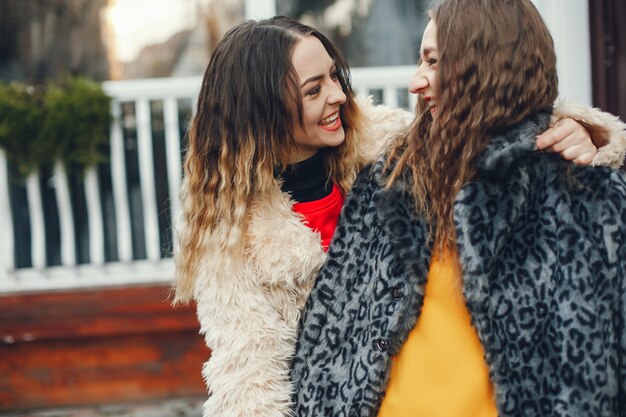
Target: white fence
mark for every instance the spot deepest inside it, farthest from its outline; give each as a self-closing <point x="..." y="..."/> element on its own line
<point x="126" y="236"/>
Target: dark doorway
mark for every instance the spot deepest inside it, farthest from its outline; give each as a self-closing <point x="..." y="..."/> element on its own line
<point x="608" y="52"/>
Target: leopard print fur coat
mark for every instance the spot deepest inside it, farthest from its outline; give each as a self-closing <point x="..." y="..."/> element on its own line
<point x="249" y="309"/>
<point x="542" y="244"/>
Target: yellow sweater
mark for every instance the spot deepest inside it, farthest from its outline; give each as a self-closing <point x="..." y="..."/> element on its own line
<point x="440" y="370"/>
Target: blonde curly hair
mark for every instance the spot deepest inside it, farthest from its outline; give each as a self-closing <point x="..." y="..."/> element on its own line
<point x="241" y="138"/>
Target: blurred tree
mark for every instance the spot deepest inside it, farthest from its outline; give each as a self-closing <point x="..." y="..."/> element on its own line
<point x="41" y="39"/>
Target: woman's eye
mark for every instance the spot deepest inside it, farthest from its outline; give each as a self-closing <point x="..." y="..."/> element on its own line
<point x="334" y="75"/>
<point x="421" y="59"/>
<point x="314" y="91"/>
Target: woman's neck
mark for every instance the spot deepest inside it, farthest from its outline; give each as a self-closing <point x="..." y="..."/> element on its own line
<point x="307" y="180"/>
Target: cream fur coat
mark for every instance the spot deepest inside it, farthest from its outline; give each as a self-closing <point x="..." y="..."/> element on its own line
<point x="249" y="311"/>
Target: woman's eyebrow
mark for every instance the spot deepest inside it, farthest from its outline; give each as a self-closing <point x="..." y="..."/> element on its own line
<point x="311" y="79"/>
<point x="316" y="77"/>
<point x="427" y="51"/>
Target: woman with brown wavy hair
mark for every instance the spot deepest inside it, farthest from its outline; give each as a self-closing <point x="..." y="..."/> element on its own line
<point x="469" y="274"/>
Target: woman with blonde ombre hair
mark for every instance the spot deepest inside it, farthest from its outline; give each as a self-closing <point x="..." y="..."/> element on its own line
<point x="276" y="142"/>
<point x="471" y="275"/>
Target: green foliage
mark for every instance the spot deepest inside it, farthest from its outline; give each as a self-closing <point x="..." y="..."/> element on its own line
<point x="21" y="118"/>
<point x="67" y="120"/>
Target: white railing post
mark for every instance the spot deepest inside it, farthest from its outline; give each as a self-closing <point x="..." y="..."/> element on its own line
<point x="94" y="212"/>
<point x="172" y="144"/>
<point x="7" y="246"/>
<point x="146" y="175"/>
<point x="390" y="96"/>
<point x="390" y="80"/>
<point x="362" y="91"/>
<point x="37" y="228"/>
<point x="66" y="218"/>
<point x="412" y="102"/>
<point x="118" y="182"/>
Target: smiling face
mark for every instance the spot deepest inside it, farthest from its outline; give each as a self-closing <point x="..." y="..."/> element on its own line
<point x="423" y="82"/>
<point x="322" y="98"/>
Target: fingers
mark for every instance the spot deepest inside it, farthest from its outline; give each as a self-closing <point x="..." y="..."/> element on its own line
<point x="572" y="144"/>
<point x="579" y="154"/>
<point x="570" y="139"/>
<point x="586" y="158"/>
<point x="563" y="129"/>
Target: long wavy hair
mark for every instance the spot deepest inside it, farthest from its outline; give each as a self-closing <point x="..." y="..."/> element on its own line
<point x="496" y="66"/>
<point x="242" y="134"/>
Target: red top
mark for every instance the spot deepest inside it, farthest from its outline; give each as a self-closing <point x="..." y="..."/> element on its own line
<point x="322" y="215"/>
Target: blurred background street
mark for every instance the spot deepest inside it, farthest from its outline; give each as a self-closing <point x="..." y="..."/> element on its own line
<point x="184" y="407"/>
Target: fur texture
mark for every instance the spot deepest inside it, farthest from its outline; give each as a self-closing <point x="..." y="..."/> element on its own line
<point x="541" y="243"/>
<point x="249" y="311"/>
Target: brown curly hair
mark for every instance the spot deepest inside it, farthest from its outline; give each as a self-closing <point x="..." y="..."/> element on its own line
<point x="496" y="66"/>
<point x="242" y="135"/>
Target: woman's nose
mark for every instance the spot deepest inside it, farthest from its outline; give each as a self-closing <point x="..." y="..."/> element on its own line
<point x="337" y="95"/>
<point x="418" y="83"/>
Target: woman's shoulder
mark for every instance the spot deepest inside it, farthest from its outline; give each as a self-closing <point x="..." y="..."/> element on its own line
<point x="380" y="125"/>
<point x="277" y="250"/>
<point x="370" y="178"/>
<point x="600" y="183"/>
<point x="387" y="118"/>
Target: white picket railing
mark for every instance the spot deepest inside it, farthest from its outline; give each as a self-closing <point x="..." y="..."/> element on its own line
<point x="388" y="84"/>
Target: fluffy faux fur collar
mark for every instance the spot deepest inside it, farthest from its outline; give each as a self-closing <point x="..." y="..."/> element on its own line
<point x="518" y="141"/>
<point x="503" y="150"/>
<point x="278" y="245"/>
<point x="249" y="307"/>
<point x="539" y="256"/>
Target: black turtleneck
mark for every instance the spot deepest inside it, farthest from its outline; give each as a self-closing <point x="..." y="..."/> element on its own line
<point x="307" y="180"/>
